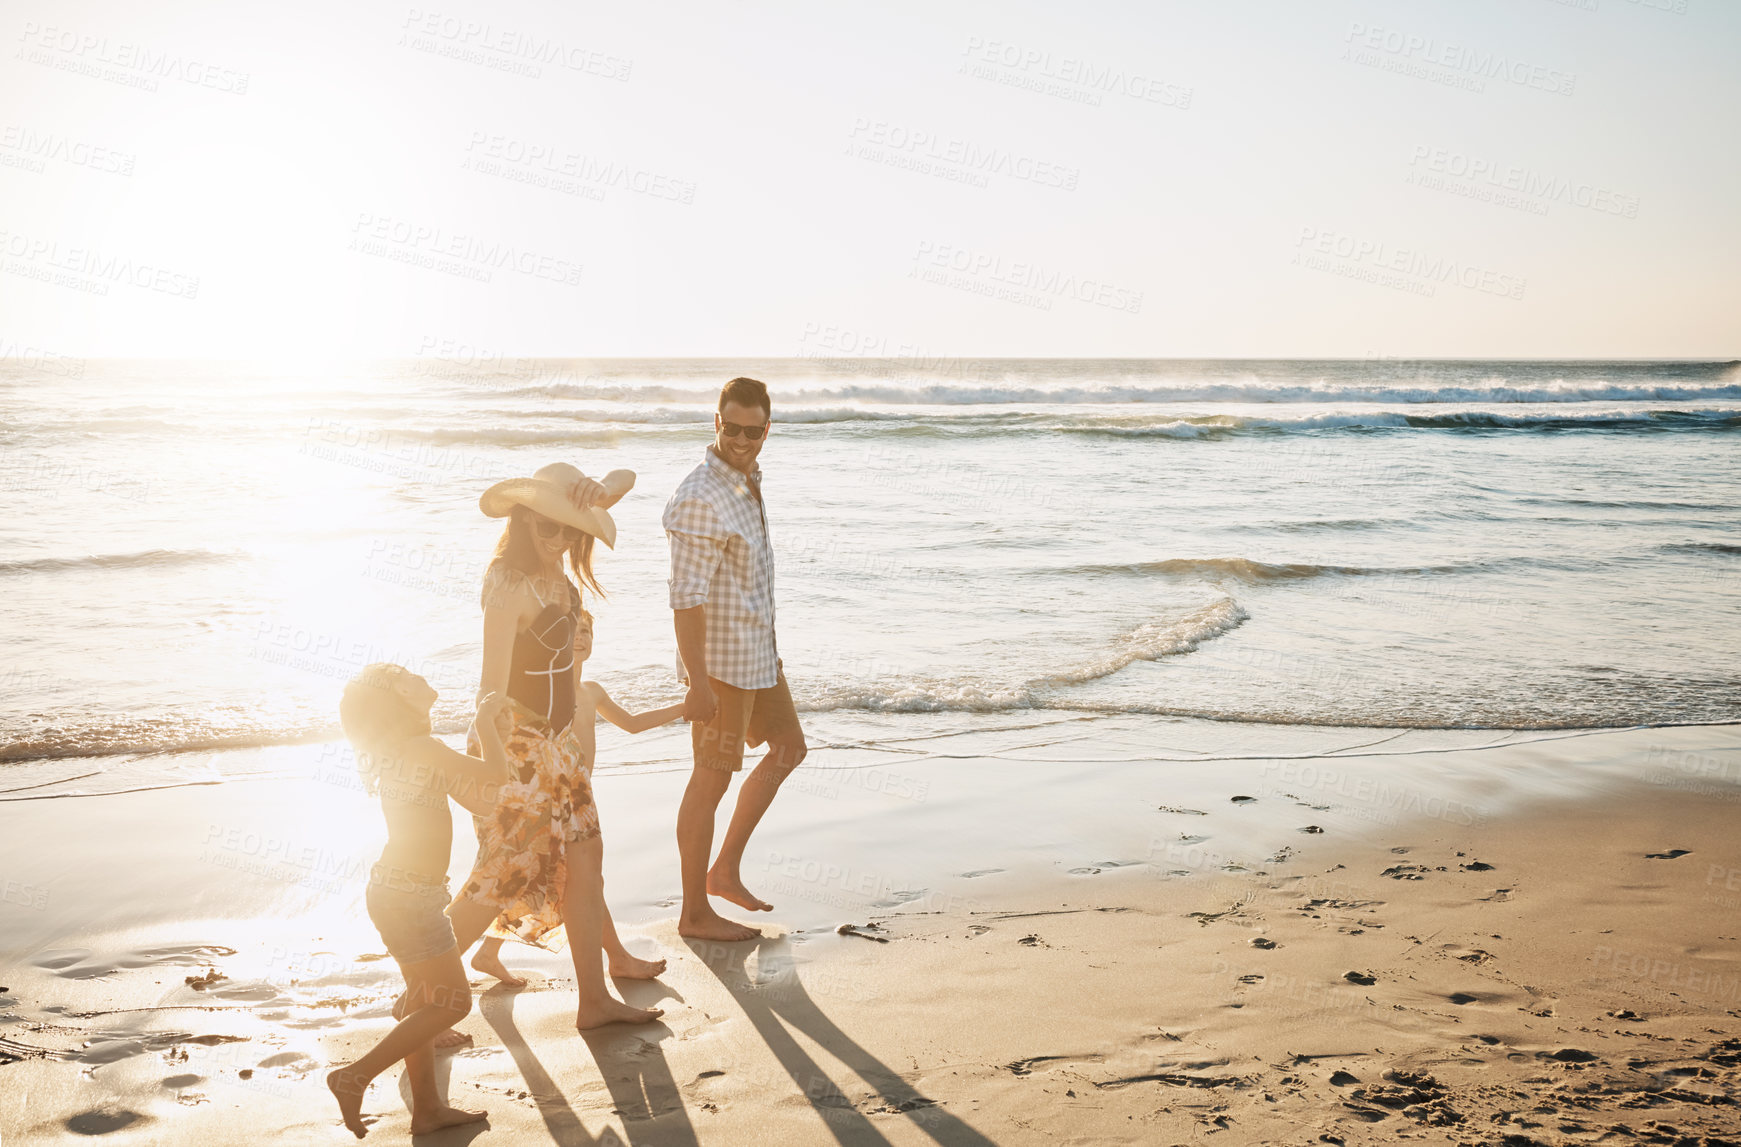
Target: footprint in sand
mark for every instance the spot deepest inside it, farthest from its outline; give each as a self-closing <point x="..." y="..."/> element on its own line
<point x="1669" y="854"/>
<point x="102" y="1121"/>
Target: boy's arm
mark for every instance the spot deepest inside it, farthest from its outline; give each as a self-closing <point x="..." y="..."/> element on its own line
<point x="471" y="782"/>
<point x="631" y="722"/>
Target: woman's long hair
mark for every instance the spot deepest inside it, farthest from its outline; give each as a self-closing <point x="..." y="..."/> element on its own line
<point x="516" y="550"/>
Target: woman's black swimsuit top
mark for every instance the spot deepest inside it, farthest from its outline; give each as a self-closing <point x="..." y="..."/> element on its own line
<point x="541" y="675"/>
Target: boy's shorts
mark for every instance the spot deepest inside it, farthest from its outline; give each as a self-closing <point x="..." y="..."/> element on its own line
<point x="744" y="716"/>
<point x="409" y="910"/>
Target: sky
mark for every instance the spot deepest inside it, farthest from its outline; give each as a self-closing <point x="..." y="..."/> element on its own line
<point x="303" y="182"/>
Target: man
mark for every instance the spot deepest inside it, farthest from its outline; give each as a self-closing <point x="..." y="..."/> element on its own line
<point x="722" y="598"/>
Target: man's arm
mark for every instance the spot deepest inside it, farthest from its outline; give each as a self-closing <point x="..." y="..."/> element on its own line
<point x="698" y="542"/>
<point x="691" y="625"/>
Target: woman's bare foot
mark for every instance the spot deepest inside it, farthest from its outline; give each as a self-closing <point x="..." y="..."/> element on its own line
<point x="451" y="1038"/>
<point x="348" y="1089"/>
<point x="490" y="964"/>
<point x="626" y="967"/>
<point x="613" y="1012"/>
<point x="713" y="926"/>
<point x="729" y="886"/>
<point x="423" y="1122"/>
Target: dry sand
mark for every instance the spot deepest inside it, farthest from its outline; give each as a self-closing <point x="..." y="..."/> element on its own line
<point x="1066" y="931"/>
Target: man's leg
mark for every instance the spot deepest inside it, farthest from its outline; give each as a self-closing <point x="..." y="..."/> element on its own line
<point x="695" y="845"/>
<point x="718" y="749"/>
<point x="774" y="720"/>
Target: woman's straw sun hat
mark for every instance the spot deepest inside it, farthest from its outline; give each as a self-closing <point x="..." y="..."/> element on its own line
<point x="546" y="493"/>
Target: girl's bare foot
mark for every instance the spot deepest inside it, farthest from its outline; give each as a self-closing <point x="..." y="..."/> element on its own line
<point x="729" y="886"/>
<point x="490" y="964"/>
<point x="713" y="926"/>
<point x="423" y="1122"/>
<point x="348" y="1089"/>
<point x="613" y="1012"/>
<point x="626" y="967"/>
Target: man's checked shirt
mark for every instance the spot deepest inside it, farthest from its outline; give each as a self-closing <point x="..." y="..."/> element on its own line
<point x="721" y="558"/>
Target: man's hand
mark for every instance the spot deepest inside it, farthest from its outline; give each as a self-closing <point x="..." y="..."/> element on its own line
<point x="586" y="493"/>
<point x="699" y="704"/>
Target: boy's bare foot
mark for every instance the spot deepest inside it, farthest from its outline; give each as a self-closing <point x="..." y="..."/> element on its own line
<point x="491" y="964"/>
<point x="614" y="1012"/>
<point x="423" y="1122"/>
<point x="348" y="1089"/>
<point x="623" y="966"/>
<point x="730" y="887"/>
<point x="713" y="926"/>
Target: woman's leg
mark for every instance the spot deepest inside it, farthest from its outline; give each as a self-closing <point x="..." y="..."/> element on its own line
<point x="583" y="911"/>
<point x="439" y="996"/>
<point x="623" y="964"/>
<point x="471" y="919"/>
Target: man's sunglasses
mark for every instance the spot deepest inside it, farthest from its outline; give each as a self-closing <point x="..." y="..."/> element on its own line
<point x="732" y="430"/>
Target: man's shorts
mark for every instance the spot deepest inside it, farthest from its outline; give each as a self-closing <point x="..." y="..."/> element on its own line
<point x="744" y="716"/>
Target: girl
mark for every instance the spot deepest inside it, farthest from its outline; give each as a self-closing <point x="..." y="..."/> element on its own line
<point x="385" y="713"/>
<point x="540" y="858"/>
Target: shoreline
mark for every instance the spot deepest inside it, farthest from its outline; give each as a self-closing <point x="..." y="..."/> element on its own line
<point x="1114" y="894"/>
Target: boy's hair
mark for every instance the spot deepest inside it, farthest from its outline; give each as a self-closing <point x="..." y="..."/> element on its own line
<point x="746" y="392"/>
<point x="373" y="716"/>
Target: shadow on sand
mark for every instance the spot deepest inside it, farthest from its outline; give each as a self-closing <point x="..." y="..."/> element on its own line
<point x="777" y="1001"/>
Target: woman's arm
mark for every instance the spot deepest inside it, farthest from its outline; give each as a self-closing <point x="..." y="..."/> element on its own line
<point x="505" y="597"/>
<point x="631" y="722"/>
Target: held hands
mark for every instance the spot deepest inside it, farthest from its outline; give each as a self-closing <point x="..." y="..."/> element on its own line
<point x="699" y="704"/>
<point x="493" y="715"/>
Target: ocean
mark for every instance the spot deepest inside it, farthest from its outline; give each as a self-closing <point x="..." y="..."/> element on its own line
<point x="197" y="555"/>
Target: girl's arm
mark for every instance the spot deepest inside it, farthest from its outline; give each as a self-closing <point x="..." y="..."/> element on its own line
<point x="631" y="722"/>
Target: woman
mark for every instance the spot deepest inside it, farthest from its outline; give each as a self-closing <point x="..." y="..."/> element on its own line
<point x="540" y="856"/>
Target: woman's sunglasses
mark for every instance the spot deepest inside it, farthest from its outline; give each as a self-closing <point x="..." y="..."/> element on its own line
<point x="732" y="430"/>
<point x="545" y="528"/>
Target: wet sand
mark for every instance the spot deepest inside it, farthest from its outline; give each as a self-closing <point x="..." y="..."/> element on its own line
<point x="1055" y="930"/>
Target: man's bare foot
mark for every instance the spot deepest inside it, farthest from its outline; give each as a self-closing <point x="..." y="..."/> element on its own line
<point x="613" y="1012"/>
<point x="452" y="1038"/>
<point x="348" y="1089"/>
<point x="713" y="926"/>
<point x="423" y="1122"/>
<point x="491" y="964"/>
<point x="728" y="886"/>
<point x="626" y="967"/>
